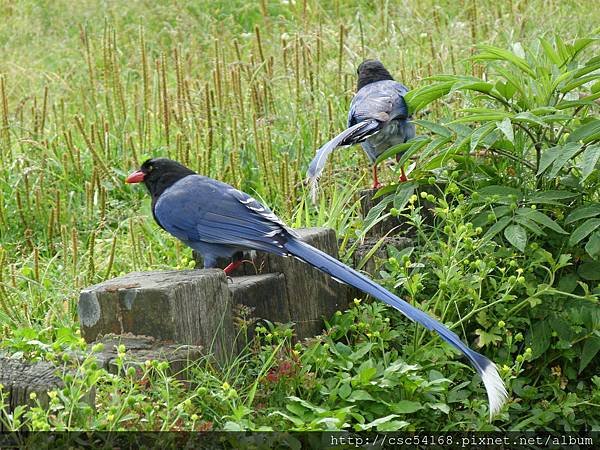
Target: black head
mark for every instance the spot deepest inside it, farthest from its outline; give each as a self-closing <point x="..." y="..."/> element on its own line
<point x="371" y="70"/>
<point x="158" y="174"/>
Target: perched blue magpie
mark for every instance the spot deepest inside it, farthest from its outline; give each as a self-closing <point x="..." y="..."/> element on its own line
<point x="378" y="119"/>
<point x="217" y="220"/>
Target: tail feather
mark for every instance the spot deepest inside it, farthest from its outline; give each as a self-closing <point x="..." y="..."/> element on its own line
<point x="353" y="135"/>
<point x="494" y="385"/>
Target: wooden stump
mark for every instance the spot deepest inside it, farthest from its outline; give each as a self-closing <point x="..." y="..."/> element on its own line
<point x="194" y="307"/>
<point x="311" y="293"/>
<point x="139" y="349"/>
<point x="186" y="307"/>
<point x="265" y="295"/>
<point x="20" y="379"/>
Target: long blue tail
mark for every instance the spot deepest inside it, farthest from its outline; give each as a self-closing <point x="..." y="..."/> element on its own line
<point x="489" y="374"/>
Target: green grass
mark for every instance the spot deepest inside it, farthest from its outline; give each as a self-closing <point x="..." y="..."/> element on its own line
<point x="240" y="91"/>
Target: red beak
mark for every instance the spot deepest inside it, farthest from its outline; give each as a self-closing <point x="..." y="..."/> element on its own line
<point x="135" y="177"/>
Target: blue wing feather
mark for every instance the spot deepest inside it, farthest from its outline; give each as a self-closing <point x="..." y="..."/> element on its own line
<point x="200" y="210"/>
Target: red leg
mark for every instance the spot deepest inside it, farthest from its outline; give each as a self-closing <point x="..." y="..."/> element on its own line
<point x="376" y="183"/>
<point x="403" y="177"/>
<point x="232" y="266"/>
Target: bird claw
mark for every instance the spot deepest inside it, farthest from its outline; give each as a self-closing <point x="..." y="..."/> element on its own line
<point x="376" y="185"/>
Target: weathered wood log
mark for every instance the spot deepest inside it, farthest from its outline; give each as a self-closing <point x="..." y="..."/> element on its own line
<point x="139" y="349"/>
<point x="20" y="379"/>
<point x="186" y="307"/>
<point x="265" y="295"/>
<point x="195" y="306"/>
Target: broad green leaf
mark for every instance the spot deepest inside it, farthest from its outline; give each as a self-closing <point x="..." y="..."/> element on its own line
<point x="393" y="425"/>
<point x="405" y="407"/>
<point x="506" y="128"/>
<point x="480" y="133"/>
<point x="583" y="212"/>
<point x="344" y="390"/>
<point x="590" y="66"/>
<point x="590" y="349"/>
<point x="586" y="133"/>
<point x="417" y="99"/>
<point x="473" y="85"/>
<point x="434" y="145"/>
<point x="561" y="326"/>
<point x="502" y="191"/>
<point x="295" y="420"/>
<point x="501" y="211"/>
<point x="435" y="127"/>
<point x="295" y="408"/>
<point x="593" y="245"/>
<point x="561" y="153"/>
<point x="588" y="100"/>
<point x="567" y="153"/>
<point x="550" y="52"/>
<point x="307" y="404"/>
<point x="581" y="44"/>
<point x="541" y="218"/>
<point x="482" y="115"/>
<point x="499" y="54"/>
<point x="517" y="236"/>
<point x="376" y="423"/>
<point x="584" y="230"/>
<point x="530" y="118"/>
<point x="486" y="338"/>
<point x="362" y="351"/>
<point x="408" y="148"/>
<point x="551" y="197"/>
<point x="496" y="228"/>
<point x="563" y="50"/>
<point x="440" y="407"/>
<point x="539" y="339"/>
<point x="548" y="157"/>
<point x="506" y="89"/>
<point x="342" y="349"/>
<point x="366" y="374"/>
<point x="530" y="225"/>
<point x="403" y="194"/>
<point x="589" y="271"/>
<point x="360" y="395"/>
<point x="578" y="82"/>
<point x="589" y="159"/>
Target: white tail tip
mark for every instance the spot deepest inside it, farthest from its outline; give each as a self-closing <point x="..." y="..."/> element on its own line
<point x="494" y="387"/>
<point x="313" y="182"/>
